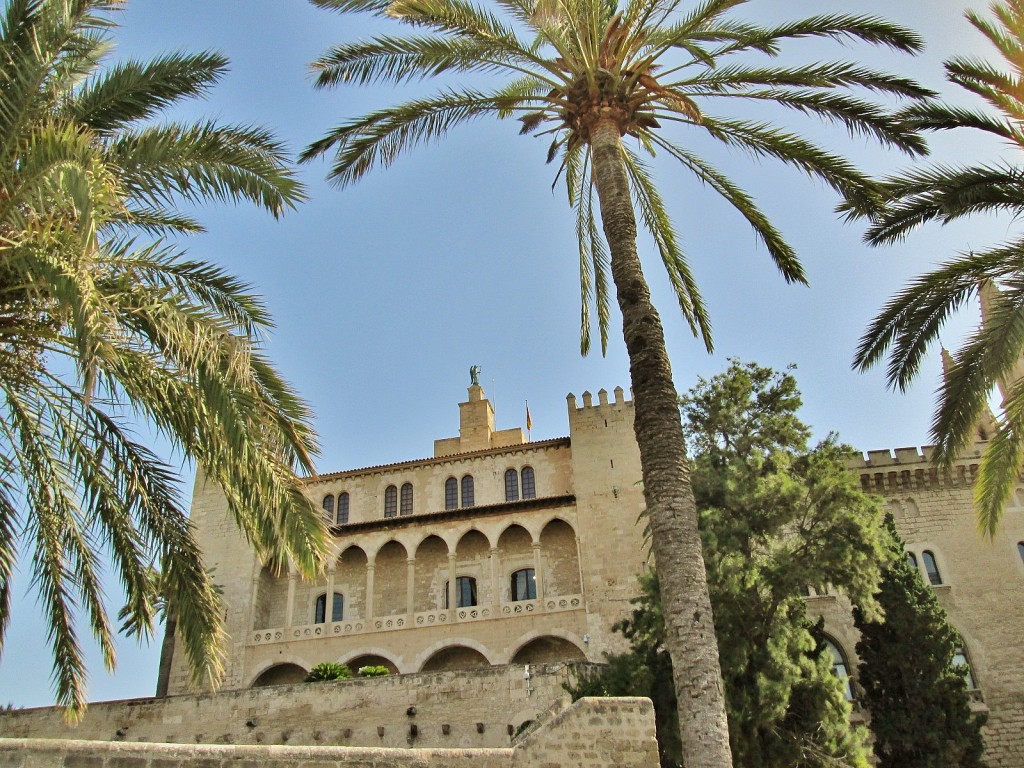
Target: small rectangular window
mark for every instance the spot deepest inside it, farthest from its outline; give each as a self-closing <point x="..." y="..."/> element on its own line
<point x="524" y="585"/>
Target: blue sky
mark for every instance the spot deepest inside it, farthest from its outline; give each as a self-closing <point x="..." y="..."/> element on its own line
<point x="385" y="293"/>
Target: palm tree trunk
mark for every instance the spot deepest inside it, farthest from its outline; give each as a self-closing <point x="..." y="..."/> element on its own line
<point x="689" y="625"/>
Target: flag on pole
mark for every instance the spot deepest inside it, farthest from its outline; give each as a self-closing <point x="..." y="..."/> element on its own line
<point x="529" y="421"/>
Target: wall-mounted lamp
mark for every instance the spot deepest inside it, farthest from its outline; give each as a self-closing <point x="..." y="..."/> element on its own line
<point x="586" y="639"/>
<point x="526" y="677"/>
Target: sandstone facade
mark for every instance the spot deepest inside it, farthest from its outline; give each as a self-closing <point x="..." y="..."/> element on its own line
<point x="494" y="551"/>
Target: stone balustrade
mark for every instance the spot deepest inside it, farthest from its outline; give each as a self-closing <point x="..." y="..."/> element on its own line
<point x="551" y="604"/>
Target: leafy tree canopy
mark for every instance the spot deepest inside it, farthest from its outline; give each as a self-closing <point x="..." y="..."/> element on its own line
<point x="775" y="516"/>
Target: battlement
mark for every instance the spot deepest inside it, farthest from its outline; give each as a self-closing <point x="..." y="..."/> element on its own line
<point x="602" y="400"/>
<point x="887" y="471"/>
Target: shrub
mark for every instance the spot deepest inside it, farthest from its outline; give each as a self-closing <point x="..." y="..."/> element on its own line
<point x="328" y="670"/>
<point x="377" y="671"/>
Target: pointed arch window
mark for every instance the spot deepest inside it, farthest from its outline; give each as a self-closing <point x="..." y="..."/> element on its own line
<point x="406" y="508"/>
<point x="839" y="668"/>
<point x="328" y="506"/>
<point x="390" y="501"/>
<point x="962" y="662"/>
<point x="337" y="608"/>
<point x="342" y="508"/>
<point x="912" y="560"/>
<point x="529" y="484"/>
<point x="931" y="568"/>
<point x="451" y="493"/>
<point x="511" y="485"/>
<point x="467" y="491"/>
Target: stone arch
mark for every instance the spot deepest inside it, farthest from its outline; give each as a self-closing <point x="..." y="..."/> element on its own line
<point x="455" y="657"/>
<point x="560" y="559"/>
<point x="271" y="602"/>
<point x="515" y="552"/>
<point x="283" y="673"/>
<point x="548" y="647"/>
<point x="350" y="580"/>
<point x="431" y="572"/>
<point x="389" y="591"/>
<point x="367" y="659"/>
<point x="473" y="559"/>
<point x="453" y="642"/>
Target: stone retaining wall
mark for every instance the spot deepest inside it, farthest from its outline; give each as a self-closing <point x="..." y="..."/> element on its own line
<point x="591" y="733"/>
<point x="472" y="708"/>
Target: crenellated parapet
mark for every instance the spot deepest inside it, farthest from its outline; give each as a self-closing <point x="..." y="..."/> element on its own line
<point x="902" y="469"/>
<point x="602" y="410"/>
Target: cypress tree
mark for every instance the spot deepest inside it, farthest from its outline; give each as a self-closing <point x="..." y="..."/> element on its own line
<point x="920" y="710"/>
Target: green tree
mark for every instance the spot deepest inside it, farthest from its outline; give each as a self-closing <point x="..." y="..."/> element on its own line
<point x="775" y="517"/>
<point x="103" y="323"/>
<point x="588" y="73"/>
<point x="920" y="713"/>
<point x="911" y="321"/>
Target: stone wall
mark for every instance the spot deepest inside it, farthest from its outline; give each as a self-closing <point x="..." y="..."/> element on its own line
<point x="464" y="708"/>
<point x="981" y="579"/>
<point x="592" y="733"/>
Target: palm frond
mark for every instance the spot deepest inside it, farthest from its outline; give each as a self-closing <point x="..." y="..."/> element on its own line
<point x="135" y="90"/>
<point x="835" y="74"/>
<point x="856" y="115"/>
<point x="147" y="335"/>
<point x="380" y="137"/>
<point x="943" y="194"/>
<point x="935" y="116"/>
<point x="840" y="27"/>
<point x="401" y="59"/>
<point x="763" y="139"/>
<point x="655" y="217"/>
<point x="1000" y="465"/>
<point x="204" y="162"/>
<point x="782" y="253"/>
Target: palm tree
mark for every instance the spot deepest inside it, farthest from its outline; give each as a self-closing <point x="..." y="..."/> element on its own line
<point x="913" y="318"/>
<point x="103" y="324"/>
<point x="589" y="73"/>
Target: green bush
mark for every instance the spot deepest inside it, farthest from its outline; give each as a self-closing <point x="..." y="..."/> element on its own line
<point x="378" y="671"/>
<point x="328" y="670"/>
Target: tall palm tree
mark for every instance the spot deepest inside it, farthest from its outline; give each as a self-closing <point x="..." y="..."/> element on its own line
<point x="589" y="74"/>
<point x="912" y="319"/>
<point x="104" y="324"/>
